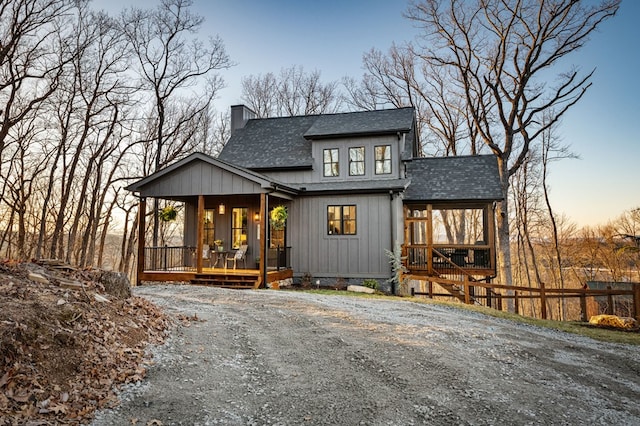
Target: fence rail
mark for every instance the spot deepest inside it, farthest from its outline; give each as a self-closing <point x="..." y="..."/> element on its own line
<point x="488" y="294"/>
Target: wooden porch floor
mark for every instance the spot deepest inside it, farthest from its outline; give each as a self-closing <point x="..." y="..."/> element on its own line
<point x="221" y="277"/>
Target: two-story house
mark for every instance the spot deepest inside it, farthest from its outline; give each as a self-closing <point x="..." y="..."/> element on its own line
<point x="353" y="185"/>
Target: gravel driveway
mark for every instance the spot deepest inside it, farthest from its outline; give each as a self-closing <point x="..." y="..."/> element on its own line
<point x="294" y="358"/>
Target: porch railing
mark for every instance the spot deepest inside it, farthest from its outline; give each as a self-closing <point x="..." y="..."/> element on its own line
<point x="167" y="258"/>
<point x="183" y="258"/>
<point x="279" y="258"/>
<point x="448" y="259"/>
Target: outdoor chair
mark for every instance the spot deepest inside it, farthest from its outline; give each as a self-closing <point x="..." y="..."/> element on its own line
<point x="240" y="254"/>
<point x="206" y="255"/>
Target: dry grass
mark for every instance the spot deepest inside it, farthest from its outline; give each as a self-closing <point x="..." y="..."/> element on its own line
<point x="574" y="327"/>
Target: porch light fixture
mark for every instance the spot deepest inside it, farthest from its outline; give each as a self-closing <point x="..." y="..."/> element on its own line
<point x="256" y="217"/>
<point x="221" y="209"/>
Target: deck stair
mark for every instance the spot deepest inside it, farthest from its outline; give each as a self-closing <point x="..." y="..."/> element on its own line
<point x="228" y="280"/>
<point x="456" y="291"/>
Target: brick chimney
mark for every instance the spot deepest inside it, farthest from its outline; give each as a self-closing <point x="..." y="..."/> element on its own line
<point x="240" y="114"/>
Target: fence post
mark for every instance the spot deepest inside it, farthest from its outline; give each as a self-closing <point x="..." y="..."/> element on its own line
<point x="543" y="302"/>
<point x="413" y="292"/>
<point x="583" y="306"/>
<point x="516" y="302"/>
<point x="636" y="300"/>
<point x="467" y="296"/>
<point x="430" y="289"/>
<point x="609" y="301"/>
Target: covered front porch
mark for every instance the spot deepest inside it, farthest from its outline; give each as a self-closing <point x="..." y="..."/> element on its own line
<point x="226" y="234"/>
<point x="179" y="263"/>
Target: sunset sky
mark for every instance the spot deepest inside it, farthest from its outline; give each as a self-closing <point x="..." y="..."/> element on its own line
<point x="332" y="35"/>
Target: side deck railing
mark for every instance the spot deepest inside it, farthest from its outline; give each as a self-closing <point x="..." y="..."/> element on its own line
<point x="448" y="259"/>
<point x="279" y="258"/>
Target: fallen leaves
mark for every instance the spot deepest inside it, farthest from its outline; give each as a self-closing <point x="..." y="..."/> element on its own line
<point x="63" y="351"/>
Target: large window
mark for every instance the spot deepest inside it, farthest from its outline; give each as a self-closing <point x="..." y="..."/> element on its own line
<point x="356" y="161"/>
<point x="238" y="227"/>
<point x="330" y="160"/>
<point x="341" y="220"/>
<point x="383" y="159"/>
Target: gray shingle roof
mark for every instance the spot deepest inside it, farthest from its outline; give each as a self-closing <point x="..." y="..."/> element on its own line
<point x="386" y="121"/>
<point x="464" y="178"/>
<point x="271" y="143"/>
<point x="283" y="143"/>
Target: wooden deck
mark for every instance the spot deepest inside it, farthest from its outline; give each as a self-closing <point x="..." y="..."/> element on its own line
<point x="219" y="277"/>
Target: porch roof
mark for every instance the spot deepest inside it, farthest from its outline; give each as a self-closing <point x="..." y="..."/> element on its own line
<point x="453" y="179"/>
<point x="201" y="174"/>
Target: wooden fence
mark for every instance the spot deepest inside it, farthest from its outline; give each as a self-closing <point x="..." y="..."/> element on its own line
<point x="493" y="295"/>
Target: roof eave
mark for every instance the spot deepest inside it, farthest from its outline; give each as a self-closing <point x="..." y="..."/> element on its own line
<point x="387" y="132"/>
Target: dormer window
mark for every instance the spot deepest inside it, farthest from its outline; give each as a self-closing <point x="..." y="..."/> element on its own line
<point x="330" y="161"/>
<point x="383" y="159"/>
<point x="356" y="161"/>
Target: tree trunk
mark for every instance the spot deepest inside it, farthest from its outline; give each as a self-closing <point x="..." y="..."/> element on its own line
<point x="504" y="242"/>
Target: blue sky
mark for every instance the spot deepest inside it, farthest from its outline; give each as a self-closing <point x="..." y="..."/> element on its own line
<point x="332" y="35"/>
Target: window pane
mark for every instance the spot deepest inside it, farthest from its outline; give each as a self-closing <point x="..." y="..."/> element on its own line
<point x="209" y="228"/>
<point x="328" y="169"/>
<point x="341" y="220"/>
<point x="383" y="159"/>
<point x="330" y="161"/>
<point x="238" y="227"/>
<point x="349" y="220"/>
<point x="356" y="161"/>
<point x="333" y="220"/>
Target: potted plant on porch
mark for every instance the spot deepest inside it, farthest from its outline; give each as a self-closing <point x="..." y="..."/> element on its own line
<point x="219" y="245"/>
<point x="278" y="217"/>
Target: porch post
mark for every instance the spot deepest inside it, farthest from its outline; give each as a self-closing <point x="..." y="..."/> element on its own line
<point x="492" y="236"/>
<point x="142" y="212"/>
<point x="199" y="234"/>
<point x="430" y="238"/>
<point x="264" y="206"/>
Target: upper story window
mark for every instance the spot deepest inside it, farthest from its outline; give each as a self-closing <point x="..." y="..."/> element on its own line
<point x="341" y="220"/>
<point x="383" y="159"/>
<point x="330" y="161"/>
<point x="356" y="161"/>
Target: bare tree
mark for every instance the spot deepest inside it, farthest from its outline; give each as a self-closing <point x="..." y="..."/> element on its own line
<point x="258" y="92"/>
<point x="501" y="52"/>
<point x="292" y="92"/>
<point x="400" y="78"/>
<point x="170" y="60"/>
<point x="95" y="86"/>
<point x="30" y="67"/>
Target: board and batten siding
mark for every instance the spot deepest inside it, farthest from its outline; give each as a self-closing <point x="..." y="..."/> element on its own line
<point x="348" y="256"/>
<point x="199" y="178"/>
<point x="315" y="175"/>
<point x="343" y="145"/>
